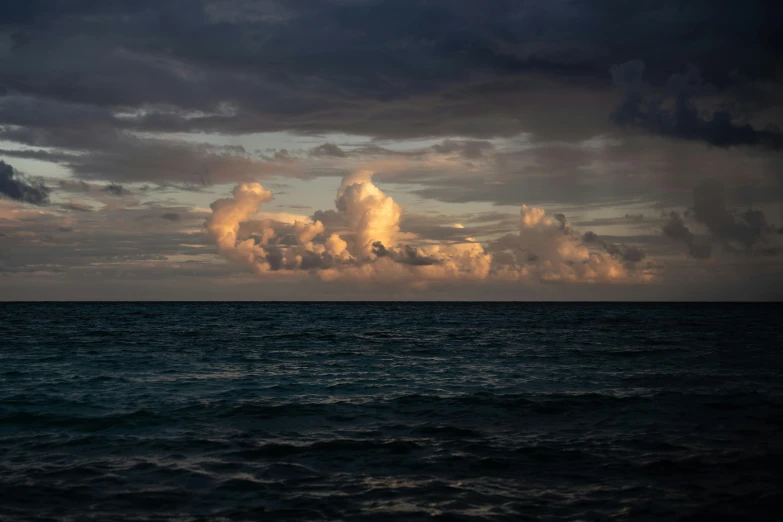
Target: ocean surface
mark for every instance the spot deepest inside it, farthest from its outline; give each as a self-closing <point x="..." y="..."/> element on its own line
<point x="396" y="411"/>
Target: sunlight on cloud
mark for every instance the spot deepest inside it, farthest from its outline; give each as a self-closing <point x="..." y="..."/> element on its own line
<point x="361" y="241"/>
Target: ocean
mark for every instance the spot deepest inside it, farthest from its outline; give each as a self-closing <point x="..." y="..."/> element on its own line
<point x="391" y="411"/>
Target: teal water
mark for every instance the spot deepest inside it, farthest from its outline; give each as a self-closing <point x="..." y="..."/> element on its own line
<point x="462" y="411"/>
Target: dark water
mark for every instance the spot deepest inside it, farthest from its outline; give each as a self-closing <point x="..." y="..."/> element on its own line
<point x="391" y="412"/>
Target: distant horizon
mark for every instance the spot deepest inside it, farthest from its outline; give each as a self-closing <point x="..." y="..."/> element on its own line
<point x="387" y="301"/>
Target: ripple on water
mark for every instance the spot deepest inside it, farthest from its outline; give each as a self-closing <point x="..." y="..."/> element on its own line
<point x="464" y="411"/>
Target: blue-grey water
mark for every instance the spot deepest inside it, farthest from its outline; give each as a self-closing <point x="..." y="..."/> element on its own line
<point x="463" y="411"/>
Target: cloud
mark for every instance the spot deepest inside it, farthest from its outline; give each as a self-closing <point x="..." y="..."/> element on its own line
<point x="112" y="152"/>
<point x="109" y="242"/>
<point x="115" y="189"/>
<point x="744" y="232"/>
<point x="370" y="214"/>
<point x="171" y="216"/>
<point x="328" y="150"/>
<point x="684" y="120"/>
<point x="407" y="255"/>
<point x="709" y="208"/>
<point x="362" y="241"/>
<point x="630" y="254"/>
<point x="477" y="105"/>
<point x="628" y="220"/>
<point x="371" y="217"/>
<point x="15" y="186"/>
<point x="443" y="229"/>
<point x="468" y="149"/>
<point x="549" y="250"/>
<point x="675" y="228"/>
<point x="77" y="206"/>
<point x="476" y="71"/>
<point x="227" y="215"/>
<point x="111" y="105"/>
<point x="74" y="186"/>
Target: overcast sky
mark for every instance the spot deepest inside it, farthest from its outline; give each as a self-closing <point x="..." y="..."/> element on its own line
<point x="400" y="149"/>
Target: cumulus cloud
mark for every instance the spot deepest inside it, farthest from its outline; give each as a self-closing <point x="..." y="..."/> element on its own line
<point x="227" y="216"/>
<point x="361" y="241"/>
<point x="549" y="250"/>
<point x="365" y="220"/>
<point x="371" y="215"/>
<point x="15" y="186"/>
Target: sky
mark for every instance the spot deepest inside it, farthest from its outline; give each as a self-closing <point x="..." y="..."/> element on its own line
<point x="391" y="149"/>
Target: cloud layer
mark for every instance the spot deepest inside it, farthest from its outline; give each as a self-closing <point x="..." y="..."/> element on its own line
<point x="124" y="120"/>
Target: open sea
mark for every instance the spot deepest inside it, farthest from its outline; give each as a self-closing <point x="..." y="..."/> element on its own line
<point x="391" y="411"/>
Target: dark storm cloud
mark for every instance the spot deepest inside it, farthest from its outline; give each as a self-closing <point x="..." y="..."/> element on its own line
<point x="115" y="189"/>
<point x="312" y="66"/>
<point x="684" y="119"/>
<point x="15" y="186"/>
<point x="328" y="149"/>
<point x="89" y="83"/>
<point x="168" y="54"/>
<point x="171" y="216"/>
